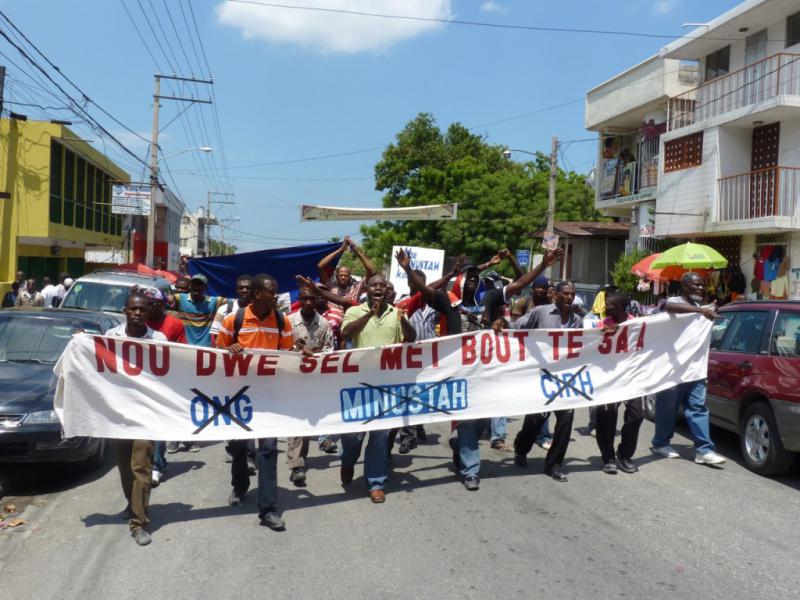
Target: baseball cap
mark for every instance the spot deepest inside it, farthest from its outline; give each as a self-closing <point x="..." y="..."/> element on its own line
<point x="541" y="281"/>
<point x="154" y="294"/>
<point x="200" y="277"/>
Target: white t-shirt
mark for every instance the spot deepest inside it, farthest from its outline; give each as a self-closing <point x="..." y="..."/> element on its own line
<point x="47" y="293"/>
<point x="121" y="331"/>
<point x="223" y="312"/>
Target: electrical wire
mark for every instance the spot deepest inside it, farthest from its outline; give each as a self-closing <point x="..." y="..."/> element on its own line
<point x="538" y="28"/>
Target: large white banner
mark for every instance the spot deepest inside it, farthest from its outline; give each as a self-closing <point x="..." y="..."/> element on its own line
<point x="428" y="260"/>
<point x="130" y="388"/>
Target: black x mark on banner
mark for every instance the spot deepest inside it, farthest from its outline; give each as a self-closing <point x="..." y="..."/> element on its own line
<point x="565" y="385"/>
<point x="221" y="409"/>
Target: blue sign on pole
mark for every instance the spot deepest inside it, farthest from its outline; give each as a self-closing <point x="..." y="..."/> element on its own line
<point x="523" y="257"/>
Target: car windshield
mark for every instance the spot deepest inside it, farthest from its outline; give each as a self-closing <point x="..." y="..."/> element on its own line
<point x="97" y="296"/>
<point x="29" y="338"/>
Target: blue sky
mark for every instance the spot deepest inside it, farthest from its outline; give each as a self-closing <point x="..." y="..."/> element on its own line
<point x="295" y="84"/>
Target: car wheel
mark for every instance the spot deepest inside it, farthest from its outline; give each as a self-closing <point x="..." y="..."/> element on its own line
<point x="762" y="449"/>
<point x="649" y="407"/>
<point x="98" y="458"/>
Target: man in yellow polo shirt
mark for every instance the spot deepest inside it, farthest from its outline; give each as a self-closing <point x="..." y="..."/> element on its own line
<point x="374" y="323"/>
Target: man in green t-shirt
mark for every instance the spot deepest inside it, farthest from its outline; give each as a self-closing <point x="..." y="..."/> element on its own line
<point x="374" y="323"/>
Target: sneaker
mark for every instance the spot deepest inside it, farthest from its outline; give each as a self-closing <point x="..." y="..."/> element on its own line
<point x="328" y="447"/>
<point x="140" y="536"/>
<point x="193" y="447"/>
<point x="625" y="465"/>
<point x="665" y="451"/>
<point x="298" y="476"/>
<point x="235" y="499"/>
<point x="708" y="458"/>
<point x="407" y="446"/>
<point x="273" y="521"/>
<point x="172" y="447"/>
<point x="545" y="444"/>
<point x="155" y="479"/>
<point x="610" y="468"/>
<point x="520" y="460"/>
<point x="472" y="483"/>
<point x="501" y="446"/>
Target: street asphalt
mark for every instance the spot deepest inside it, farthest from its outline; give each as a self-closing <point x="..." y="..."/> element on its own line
<point x="673" y="530"/>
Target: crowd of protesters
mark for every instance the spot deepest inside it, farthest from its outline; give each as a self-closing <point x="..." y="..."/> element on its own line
<point x="25" y="291"/>
<point x="336" y="310"/>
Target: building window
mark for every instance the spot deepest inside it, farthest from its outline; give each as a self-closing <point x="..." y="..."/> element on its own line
<point x="683" y="153"/>
<point x="56" y="165"/>
<point x="793" y="30"/>
<point x="80" y="193"/>
<point x="718" y="63"/>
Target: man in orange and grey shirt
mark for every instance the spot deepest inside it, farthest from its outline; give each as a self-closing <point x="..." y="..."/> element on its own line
<point x="257" y="326"/>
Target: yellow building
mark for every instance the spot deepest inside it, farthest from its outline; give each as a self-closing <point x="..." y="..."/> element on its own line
<point x="55" y="200"/>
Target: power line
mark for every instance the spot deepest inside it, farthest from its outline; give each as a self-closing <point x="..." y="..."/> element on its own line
<point x="55" y="67"/>
<point x="445" y="21"/>
<point x="91" y="119"/>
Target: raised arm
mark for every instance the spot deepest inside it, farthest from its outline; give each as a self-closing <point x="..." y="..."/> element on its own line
<point x="549" y="259"/>
<point x="369" y="267"/>
<point x="322" y="266"/>
<point x="511" y="258"/>
<point x="328" y="295"/>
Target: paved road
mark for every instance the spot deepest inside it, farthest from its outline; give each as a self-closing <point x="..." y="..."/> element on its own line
<point x="673" y="530"/>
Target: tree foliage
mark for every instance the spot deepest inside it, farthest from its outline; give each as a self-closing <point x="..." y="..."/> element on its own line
<point x="219" y="248"/>
<point x="621" y="273"/>
<point x="500" y="202"/>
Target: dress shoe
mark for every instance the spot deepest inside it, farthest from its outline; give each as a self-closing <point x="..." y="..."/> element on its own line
<point x="346" y="474"/>
<point x="625" y="465"/>
<point x="273" y="521"/>
<point x="298" y="477"/>
<point x="557" y="474"/>
<point x="329" y="447"/>
<point x="472" y="483"/>
<point x="377" y="496"/>
<point x="520" y="460"/>
<point x="610" y="468"/>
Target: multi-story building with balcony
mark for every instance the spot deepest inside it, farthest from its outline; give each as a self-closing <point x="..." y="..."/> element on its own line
<point x="729" y="148"/>
<point x="629" y="112"/>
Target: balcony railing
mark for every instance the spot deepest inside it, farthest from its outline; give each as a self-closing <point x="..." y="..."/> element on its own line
<point x="772" y="192"/>
<point x="776" y="75"/>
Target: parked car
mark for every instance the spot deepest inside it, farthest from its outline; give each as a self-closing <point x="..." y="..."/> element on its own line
<point x="107" y="290"/>
<point x="754" y="381"/>
<point x="31" y="341"/>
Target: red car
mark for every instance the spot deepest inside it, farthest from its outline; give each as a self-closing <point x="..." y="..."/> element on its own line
<point x="754" y="381"/>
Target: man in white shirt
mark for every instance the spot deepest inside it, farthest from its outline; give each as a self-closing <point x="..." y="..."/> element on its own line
<point x="47" y="292"/>
<point x="135" y="457"/>
<point x="244" y="291"/>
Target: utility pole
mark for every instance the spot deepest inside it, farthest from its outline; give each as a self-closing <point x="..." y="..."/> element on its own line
<point x="2" y="85"/>
<point x="551" y="201"/>
<point x="208" y="215"/>
<point x="151" y="216"/>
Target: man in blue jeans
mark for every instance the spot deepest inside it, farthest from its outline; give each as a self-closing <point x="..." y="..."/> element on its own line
<point x="374" y="323"/>
<point x="691" y="395"/>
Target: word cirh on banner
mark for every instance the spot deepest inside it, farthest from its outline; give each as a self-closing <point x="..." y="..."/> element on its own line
<point x="433" y="212"/>
<point x="137" y="389"/>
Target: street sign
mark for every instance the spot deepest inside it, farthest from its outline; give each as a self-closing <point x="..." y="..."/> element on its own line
<point x="523" y="257"/>
<point x="130" y="199"/>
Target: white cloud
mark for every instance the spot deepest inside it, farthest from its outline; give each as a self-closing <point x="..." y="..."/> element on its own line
<point x="335" y="32"/>
<point x="490" y="6"/>
<point x="664" y="7"/>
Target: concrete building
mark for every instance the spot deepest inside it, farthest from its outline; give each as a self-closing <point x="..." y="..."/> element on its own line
<point x="55" y="200"/>
<point x="729" y="147"/>
<point x="167" y="241"/>
<point x="193" y="232"/>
